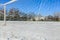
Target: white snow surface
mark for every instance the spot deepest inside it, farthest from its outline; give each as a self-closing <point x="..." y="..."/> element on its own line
<point x="30" y="30"/>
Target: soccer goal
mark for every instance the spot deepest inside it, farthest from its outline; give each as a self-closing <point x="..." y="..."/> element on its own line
<point x="4" y="9"/>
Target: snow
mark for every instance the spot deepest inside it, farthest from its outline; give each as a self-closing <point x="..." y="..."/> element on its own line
<point x="33" y="30"/>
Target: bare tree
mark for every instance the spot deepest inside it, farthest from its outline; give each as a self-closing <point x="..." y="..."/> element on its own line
<point x="56" y="16"/>
<point x="23" y="16"/>
<point x="1" y="14"/>
<point x="31" y="16"/>
<point x="49" y="18"/>
<point x="14" y="14"/>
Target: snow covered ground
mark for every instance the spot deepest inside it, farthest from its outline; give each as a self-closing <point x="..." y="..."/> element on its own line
<point x="25" y="30"/>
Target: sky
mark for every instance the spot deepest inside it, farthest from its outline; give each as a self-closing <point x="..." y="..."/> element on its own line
<point x="43" y="7"/>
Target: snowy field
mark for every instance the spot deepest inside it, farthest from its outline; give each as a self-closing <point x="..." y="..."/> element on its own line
<point x="25" y="30"/>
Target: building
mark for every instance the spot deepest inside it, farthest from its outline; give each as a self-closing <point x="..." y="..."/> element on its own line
<point x="39" y="18"/>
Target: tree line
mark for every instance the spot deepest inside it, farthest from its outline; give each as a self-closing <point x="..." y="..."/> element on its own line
<point x="16" y="15"/>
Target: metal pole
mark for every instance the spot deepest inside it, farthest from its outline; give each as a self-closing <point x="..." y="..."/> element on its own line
<point x="4" y="14"/>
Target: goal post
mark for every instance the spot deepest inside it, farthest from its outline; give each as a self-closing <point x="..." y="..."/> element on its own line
<point x="4" y="15"/>
<point x="3" y="11"/>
